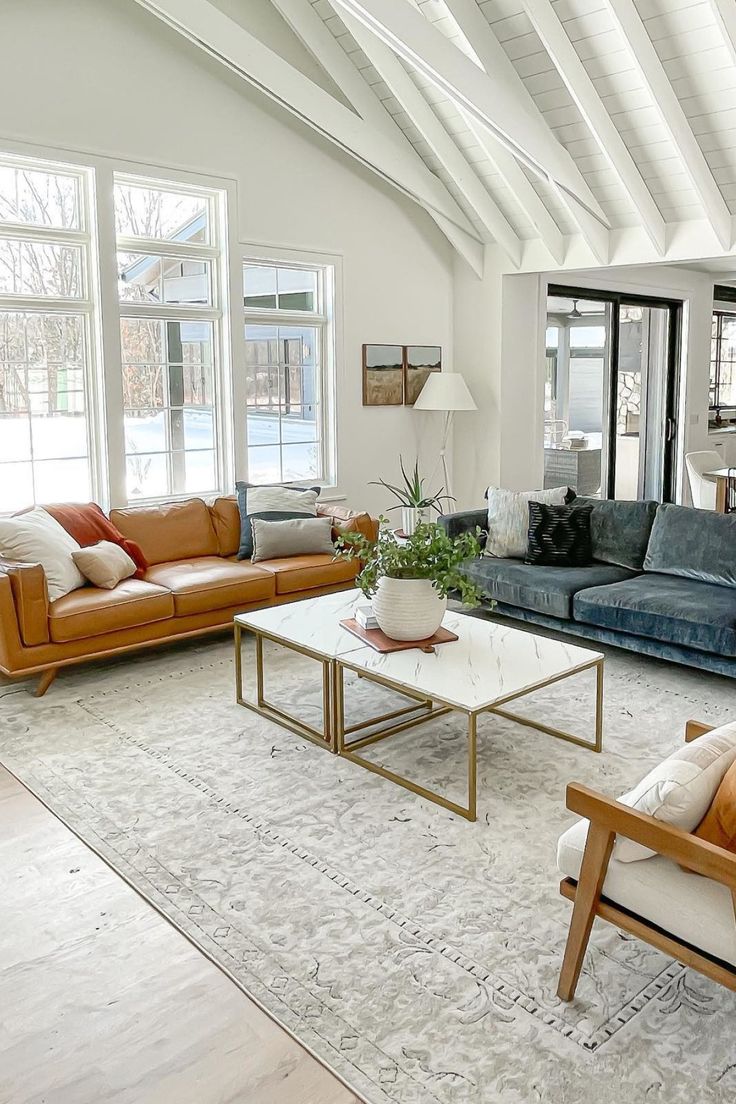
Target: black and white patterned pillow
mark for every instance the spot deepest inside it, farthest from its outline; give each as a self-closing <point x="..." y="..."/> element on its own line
<point x="559" y="536"/>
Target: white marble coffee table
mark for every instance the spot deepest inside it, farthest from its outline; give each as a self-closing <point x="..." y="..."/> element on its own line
<point x="312" y="628"/>
<point x="489" y="665"/>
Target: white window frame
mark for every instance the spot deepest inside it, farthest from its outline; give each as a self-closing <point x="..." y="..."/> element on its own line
<point x="216" y="252"/>
<point x="86" y="305"/>
<point x="326" y="320"/>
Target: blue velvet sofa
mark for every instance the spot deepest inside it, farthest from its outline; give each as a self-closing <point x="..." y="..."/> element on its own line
<point x="663" y="582"/>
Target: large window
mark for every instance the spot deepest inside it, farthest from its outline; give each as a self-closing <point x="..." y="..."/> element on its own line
<point x="287" y="312"/>
<point x="723" y="361"/>
<point x="46" y="371"/>
<point x="168" y="262"/>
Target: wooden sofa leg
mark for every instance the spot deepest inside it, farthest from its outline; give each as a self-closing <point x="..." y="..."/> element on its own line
<point x="45" y="681"/>
<point x="592" y="876"/>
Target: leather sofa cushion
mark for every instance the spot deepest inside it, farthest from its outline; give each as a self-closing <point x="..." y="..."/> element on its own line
<point x="293" y="573"/>
<point x="226" y="523"/>
<point x="665" y="607"/>
<point x="169" y="531"/>
<point x="547" y="590"/>
<point x="92" y="612"/>
<point x="209" y="583"/>
<point x="695" y="544"/>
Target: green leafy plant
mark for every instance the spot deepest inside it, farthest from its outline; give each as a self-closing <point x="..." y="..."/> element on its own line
<point x="429" y="553"/>
<point x="413" y="495"/>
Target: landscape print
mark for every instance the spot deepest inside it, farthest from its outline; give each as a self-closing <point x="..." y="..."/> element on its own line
<point x="420" y="361"/>
<point x="383" y="375"/>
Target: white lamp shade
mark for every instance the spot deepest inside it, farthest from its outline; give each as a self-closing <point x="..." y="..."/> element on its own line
<point x="445" y="391"/>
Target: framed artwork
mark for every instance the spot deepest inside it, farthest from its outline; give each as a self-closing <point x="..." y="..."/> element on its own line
<point x="383" y="375"/>
<point x="419" y="362"/>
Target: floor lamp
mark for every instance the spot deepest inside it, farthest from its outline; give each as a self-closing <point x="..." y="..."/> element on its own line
<point x="449" y="392"/>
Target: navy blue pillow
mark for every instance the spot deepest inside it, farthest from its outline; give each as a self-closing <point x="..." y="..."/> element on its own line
<point x="246" y="530"/>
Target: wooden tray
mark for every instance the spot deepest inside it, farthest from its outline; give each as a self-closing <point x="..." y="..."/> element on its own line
<point x="382" y="643"/>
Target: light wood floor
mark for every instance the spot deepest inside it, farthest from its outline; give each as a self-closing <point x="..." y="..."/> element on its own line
<point x="102" y="1000"/>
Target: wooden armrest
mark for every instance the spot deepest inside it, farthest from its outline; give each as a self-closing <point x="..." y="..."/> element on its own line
<point x="693" y="729"/>
<point x="682" y="847"/>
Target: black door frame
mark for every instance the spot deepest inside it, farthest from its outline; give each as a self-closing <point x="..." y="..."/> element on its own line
<point x="617" y="299"/>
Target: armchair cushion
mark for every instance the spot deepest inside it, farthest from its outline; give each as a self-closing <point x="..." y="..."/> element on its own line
<point x="680" y="789"/>
<point x="718" y="826"/>
<point x="695" y="910"/>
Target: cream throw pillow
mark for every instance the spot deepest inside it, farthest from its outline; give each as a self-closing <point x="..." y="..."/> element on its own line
<point x="508" y="519"/>
<point x="36" y="537"/>
<point x="680" y="790"/>
<point x="105" y="564"/>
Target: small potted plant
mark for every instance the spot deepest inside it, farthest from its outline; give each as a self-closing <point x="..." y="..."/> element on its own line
<point x="408" y="580"/>
<point x="413" y="501"/>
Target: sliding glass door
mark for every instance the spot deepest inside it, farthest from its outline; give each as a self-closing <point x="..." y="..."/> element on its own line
<point x="610" y="393"/>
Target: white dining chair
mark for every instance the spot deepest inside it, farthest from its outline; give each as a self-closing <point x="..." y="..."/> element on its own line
<point x="702" y="486"/>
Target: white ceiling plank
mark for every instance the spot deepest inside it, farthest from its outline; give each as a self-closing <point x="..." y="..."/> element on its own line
<point x="725" y="13"/>
<point x="559" y="47"/>
<point x="202" y="23"/>
<point x="490" y="53"/>
<point x="488" y="96"/>
<point x="392" y="72"/>
<point x="673" y="117"/>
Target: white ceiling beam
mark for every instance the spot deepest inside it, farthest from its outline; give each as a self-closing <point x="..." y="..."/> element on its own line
<point x="655" y="78"/>
<point x="725" y="13"/>
<point x="202" y="23"/>
<point x="316" y="36"/>
<point x="486" y="95"/>
<point x="491" y="55"/>
<point x="403" y="89"/>
<point x="565" y="58"/>
<point x="520" y="187"/>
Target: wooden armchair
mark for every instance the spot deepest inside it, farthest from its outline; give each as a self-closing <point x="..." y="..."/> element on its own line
<point x="608" y="818"/>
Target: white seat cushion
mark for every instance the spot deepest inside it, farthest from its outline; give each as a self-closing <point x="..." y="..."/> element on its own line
<point x="694" y="909"/>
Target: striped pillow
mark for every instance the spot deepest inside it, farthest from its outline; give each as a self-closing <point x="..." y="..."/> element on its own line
<point x="272" y="503"/>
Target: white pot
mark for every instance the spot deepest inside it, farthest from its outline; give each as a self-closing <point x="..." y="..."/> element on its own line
<point x="410" y="518"/>
<point x="408" y="609"/>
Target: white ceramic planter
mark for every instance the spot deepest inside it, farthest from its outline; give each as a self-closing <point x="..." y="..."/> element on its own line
<point x="410" y="518"/>
<point x="408" y="609"/>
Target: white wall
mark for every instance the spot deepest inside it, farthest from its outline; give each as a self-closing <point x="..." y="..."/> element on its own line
<point x="107" y="78"/>
<point x="500" y="326"/>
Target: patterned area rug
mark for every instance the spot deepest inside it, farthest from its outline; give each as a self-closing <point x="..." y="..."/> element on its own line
<point x="417" y="954"/>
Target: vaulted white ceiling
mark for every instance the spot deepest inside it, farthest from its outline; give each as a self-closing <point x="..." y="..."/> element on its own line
<point x="567" y="132"/>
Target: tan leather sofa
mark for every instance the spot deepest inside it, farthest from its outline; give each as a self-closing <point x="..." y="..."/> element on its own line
<point x="194" y="585"/>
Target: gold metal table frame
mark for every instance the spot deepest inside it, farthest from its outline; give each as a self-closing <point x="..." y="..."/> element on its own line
<point x="326" y="736"/>
<point x="349" y="750"/>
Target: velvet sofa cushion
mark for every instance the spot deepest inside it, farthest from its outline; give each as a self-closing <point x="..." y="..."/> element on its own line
<point x="664" y="607"/>
<point x="696" y="544"/>
<point x="620" y="531"/>
<point x="546" y="590"/>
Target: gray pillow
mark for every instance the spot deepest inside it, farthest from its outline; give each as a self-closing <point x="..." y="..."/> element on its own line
<point x="295" y="537"/>
<point x="508" y="518"/>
